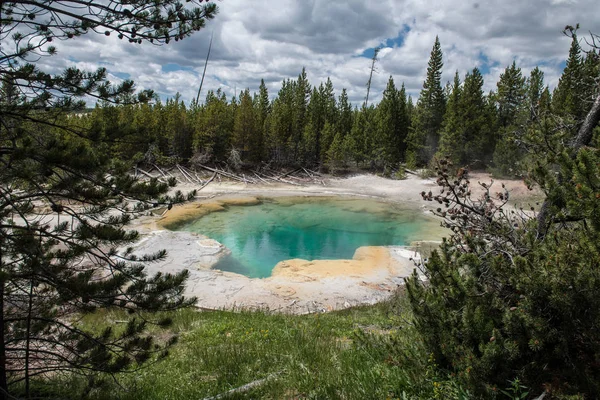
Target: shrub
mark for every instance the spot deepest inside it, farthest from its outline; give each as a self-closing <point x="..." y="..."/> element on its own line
<point x="506" y="298"/>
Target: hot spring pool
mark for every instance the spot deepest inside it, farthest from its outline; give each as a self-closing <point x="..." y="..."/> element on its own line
<point x="259" y="236"/>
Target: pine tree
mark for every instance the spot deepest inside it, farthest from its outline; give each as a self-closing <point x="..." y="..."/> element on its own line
<point x="316" y="117"/>
<point x="328" y="135"/>
<point x="535" y="87"/>
<point x="386" y="119"/>
<point x="246" y="135"/>
<point x="514" y="295"/>
<point x="178" y="132"/>
<point x="430" y="109"/>
<point x="391" y="124"/>
<point x="263" y="110"/>
<point x="281" y="137"/>
<point x="330" y="114"/>
<point x="452" y="140"/>
<point x="511" y="95"/>
<point x="476" y="129"/>
<point x="213" y="133"/>
<point x="410" y="110"/>
<point x="336" y="155"/>
<point x="345" y="114"/>
<point x="567" y="100"/>
<point x="513" y="117"/>
<point x="65" y="200"/>
<point x="401" y="138"/>
<point x="301" y="98"/>
<point x="147" y="135"/>
<point x="360" y="141"/>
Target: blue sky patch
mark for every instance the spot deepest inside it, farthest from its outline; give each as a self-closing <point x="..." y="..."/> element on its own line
<point x="485" y="64"/>
<point x="397" y="41"/>
<point x="122" y="75"/>
<point x="170" y="67"/>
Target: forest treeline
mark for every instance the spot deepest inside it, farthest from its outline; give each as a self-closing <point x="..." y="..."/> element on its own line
<point x="312" y="126"/>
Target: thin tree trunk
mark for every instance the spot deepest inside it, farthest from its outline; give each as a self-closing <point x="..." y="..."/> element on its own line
<point x="204" y="72"/>
<point x="28" y="338"/>
<point x="374" y="59"/>
<point x="3" y="381"/>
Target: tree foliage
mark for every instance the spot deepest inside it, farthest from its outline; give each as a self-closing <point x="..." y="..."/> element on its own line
<point x="66" y="195"/>
<point x="476" y="129"/>
<point x="514" y="293"/>
<point x="430" y="109"/>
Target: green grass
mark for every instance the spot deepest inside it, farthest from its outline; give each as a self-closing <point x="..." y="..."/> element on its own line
<point x="370" y="352"/>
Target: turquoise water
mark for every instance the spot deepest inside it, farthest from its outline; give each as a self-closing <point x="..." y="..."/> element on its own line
<point x="259" y="236"/>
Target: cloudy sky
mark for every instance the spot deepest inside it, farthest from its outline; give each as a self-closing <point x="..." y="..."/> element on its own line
<point x="274" y="39"/>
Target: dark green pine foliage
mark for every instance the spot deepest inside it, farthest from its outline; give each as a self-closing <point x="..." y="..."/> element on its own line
<point x="451" y="138"/>
<point x="468" y="134"/>
<point x="504" y="303"/>
<point x="510" y="95"/>
<point x="263" y="104"/>
<point x="476" y="122"/>
<point x="67" y="195"/>
<point x="429" y="112"/>
<point x="313" y="130"/>
<point x="410" y="111"/>
<point x="330" y="113"/>
<point x="302" y="91"/>
<point x="335" y="155"/>
<point x="360" y="142"/>
<point x="403" y="127"/>
<point x="263" y="114"/>
<point x="568" y="98"/>
<point x="147" y="133"/>
<point x="213" y="132"/>
<point x="179" y="132"/>
<point x="386" y="119"/>
<point x="247" y="137"/>
<point x="591" y="87"/>
<point x="391" y="117"/>
<point x="545" y="104"/>
<point x="591" y="71"/>
<point x="345" y="114"/>
<point x="535" y="88"/>
<point x="513" y="114"/>
<point x="515" y="294"/>
<point x="338" y="153"/>
<point x="282" y="124"/>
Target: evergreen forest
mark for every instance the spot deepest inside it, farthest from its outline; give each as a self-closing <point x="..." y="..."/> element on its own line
<point x="315" y="127"/>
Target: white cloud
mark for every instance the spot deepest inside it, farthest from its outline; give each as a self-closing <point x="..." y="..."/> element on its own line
<point x="274" y="39"/>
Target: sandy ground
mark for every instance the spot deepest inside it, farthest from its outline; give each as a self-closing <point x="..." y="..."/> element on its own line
<point x="296" y="286"/>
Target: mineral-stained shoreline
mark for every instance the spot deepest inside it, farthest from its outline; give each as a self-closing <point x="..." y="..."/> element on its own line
<point x="296" y="286"/>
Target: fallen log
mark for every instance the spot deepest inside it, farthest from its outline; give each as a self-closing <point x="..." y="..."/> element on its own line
<point x="150" y="176"/>
<point x="159" y="170"/>
<point x="289" y="173"/>
<point x="243" y="388"/>
<point x="307" y="173"/>
<point x="184" y="174"/>
<point x="190" y="172"/>
<point x="258" y="176"/>
<point x="221" y="172"/>
<point x="209" y="181"/>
